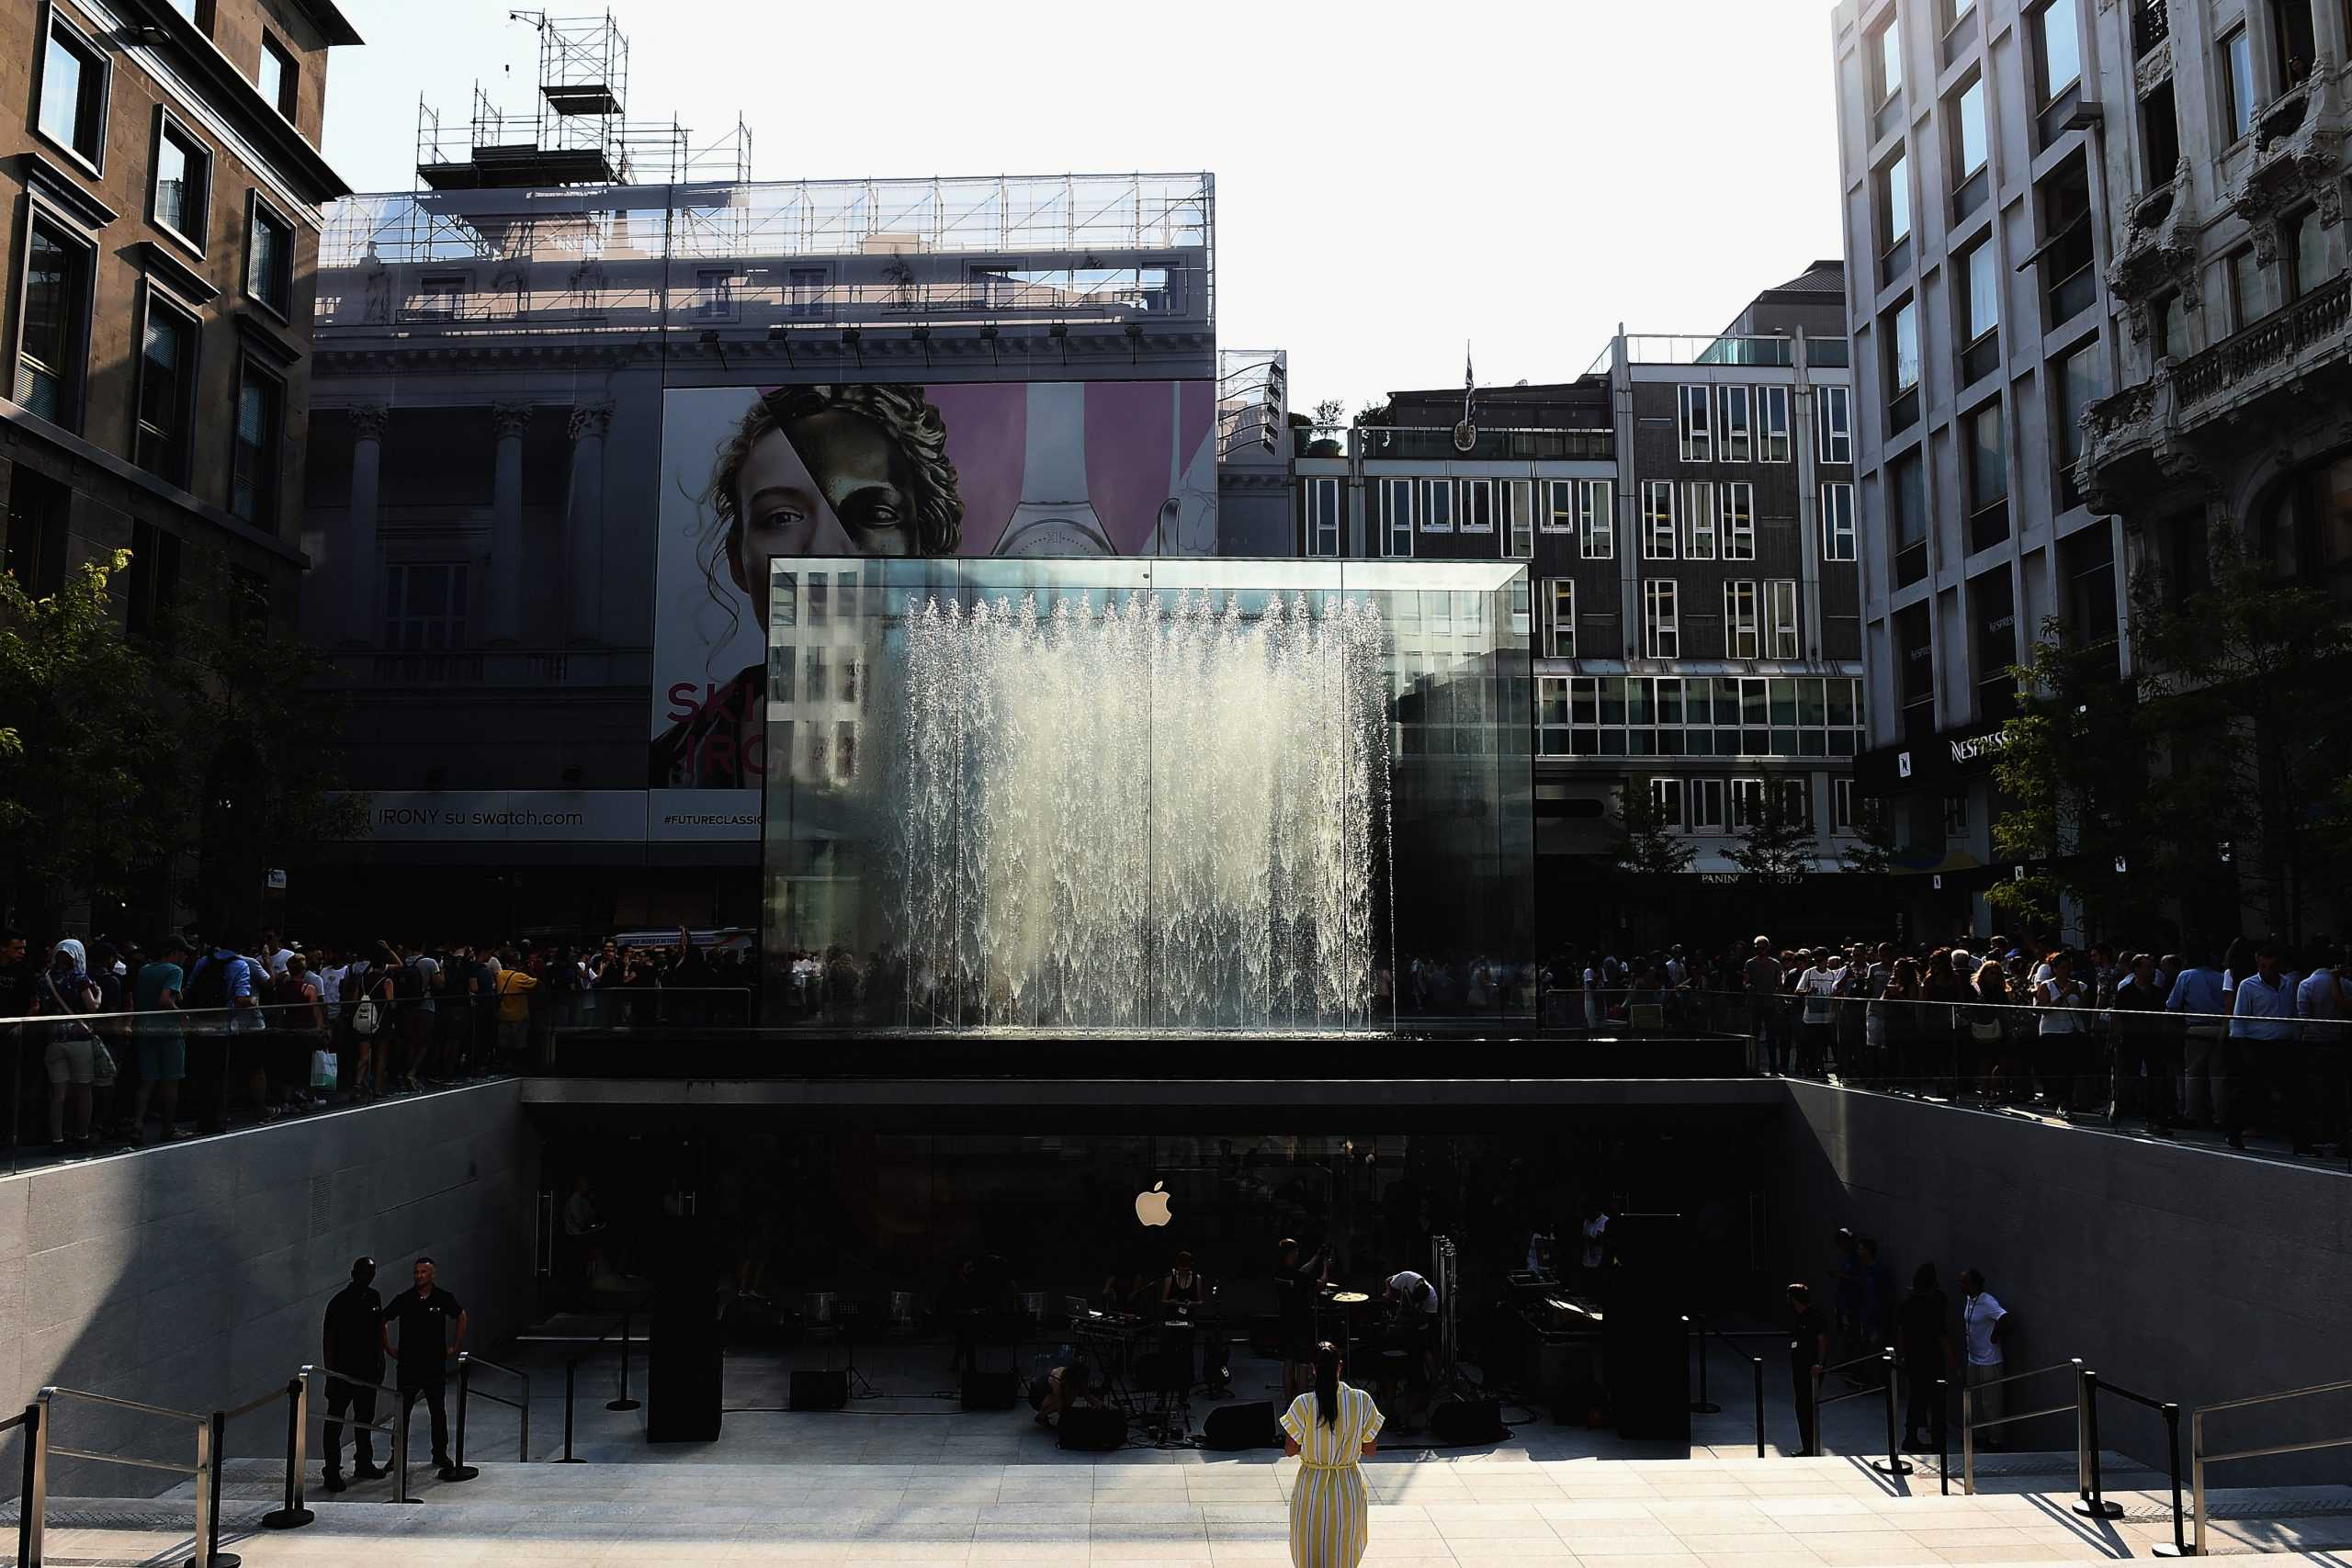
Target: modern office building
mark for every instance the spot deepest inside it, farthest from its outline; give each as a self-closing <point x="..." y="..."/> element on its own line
<point x="546" y="381"/>
<point x="1977" y="201"/>
<point x="1686" y="511"/>
<point x="163" y="186"/>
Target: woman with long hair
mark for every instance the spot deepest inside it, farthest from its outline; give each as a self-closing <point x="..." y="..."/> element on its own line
<point x="1329" y="1430"/>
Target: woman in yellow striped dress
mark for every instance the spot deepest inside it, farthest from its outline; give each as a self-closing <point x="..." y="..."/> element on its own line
<point x="1329" y="1430"/>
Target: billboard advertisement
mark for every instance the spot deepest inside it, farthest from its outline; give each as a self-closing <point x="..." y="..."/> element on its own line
<point x="754" y="474"/>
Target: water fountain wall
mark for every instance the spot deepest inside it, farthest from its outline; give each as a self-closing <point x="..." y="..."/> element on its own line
<point x="1132" y="797"/>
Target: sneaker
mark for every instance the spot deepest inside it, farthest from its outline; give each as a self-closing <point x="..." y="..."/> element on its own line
<point x="333" y="1482"/>
<point x="367" y="1473"/>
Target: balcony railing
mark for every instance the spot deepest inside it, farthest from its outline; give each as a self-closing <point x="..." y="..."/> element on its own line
<point x="2282" y="335"/>
<point x="1830" y="352"/>
<point x="1389" y="443"/>
<point x="2151" y="24"/>
<point x="1762" y="351"/>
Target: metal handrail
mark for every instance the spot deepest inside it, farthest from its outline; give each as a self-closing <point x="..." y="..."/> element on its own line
<point x="299" y="1435"/>
<point x="2199" y="1458"/>
<point x="51" y="1392"/>
<point x="1970" y="1425"/>
<point x="467" y="1361"/>
<point x="32" y="1519"/>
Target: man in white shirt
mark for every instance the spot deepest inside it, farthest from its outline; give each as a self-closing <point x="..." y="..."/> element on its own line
<point x="1821" y="980"/>
<point x="1985" y="1324"/>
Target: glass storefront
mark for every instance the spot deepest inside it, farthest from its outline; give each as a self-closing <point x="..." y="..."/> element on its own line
<point x="1136" y="795"/>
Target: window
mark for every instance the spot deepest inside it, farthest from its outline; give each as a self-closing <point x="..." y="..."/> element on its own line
<point x="1323" y="516"/>
<point x="1597" y="518"/>
<point x="1796" y="801"/>
<point x="2304" y="253"/>
<point x="2171" y="313"/>
<point x="1552" y="737"/>
<point x="38" y="508"/>
<point x="1886" y="61"/>
<point x="1902" y="364"/>
<point x="74" y="92"/>
<point x="1955" y="816"/>
<point x="425" y="606"/>
<point x="1993" y="622"/>
<point x="1968" y="128"/>
<point x="1666" y="796"/>
<point x="269" y="260"/>
<point x="1894" y="203"/>
<point x="2077" y="382"/>
<point x="1661" y="627"/>
<point x="1986" y="452"/>
<point x="1396" y="505"/>
<point x="805" y="292"/>
<point x="2294" y="45"/>
<point x="1739" y="425"/>
<point x="1739" y="521"/>
<point x="1519" y="519"/>
<point x="1696" y="499"/>
<point x="181" y="198"/>
<point x="439" y="294"/>
<point x="1562" y="628"/>
<point x="2061" y="42"/>
<point x="1559" y="506"/>
<point x="714" y="298"/>
<point x="52" y="340"/>
<point x="2159" y="135"/>
<point x="2069" y="280"/>
<point x="1774" y="445"/>
<point x="1833" y="409"/>
<point x="278" y="77"/>
<point x="1706" y="806"/>
<point x="1983" y="297"/>
<point x="1780" y="615"/>
<point x="1841" y="804"/>
<point x="1743" y="628"/>
<point x="166" y="389"/>
<point x="2237" y="85"/>
<point x="197" y="11"/>
<point x="150" y="585"/>
<point x="2246" y="288"/>
<point x="1907" y="505"/>
<point x="1914" y="672"/>
<point x="1694" y="405"/>
<point x="784" y="661"/>
<point x="1837" y="521"/>
<point x="1701" y="716"/>
<point x="1477" y="506"/>
<point x="819" y="683"/>
<point x="253" y="484"/>
<point x="1658" y="520"/>
<point x="1746" y="802"/>
<point x="1437" y="506"/>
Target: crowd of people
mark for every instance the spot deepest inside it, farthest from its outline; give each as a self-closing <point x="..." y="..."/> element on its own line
<point x="117" y="1040"/>
<point x="2254" y="1037"/>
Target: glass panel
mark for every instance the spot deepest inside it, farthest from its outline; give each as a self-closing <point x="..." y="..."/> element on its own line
<point x="1186" y="796"/>
<point x="60" y="93"/>
<point x="1972" y="127"/>
<point x="2062" y="48"/>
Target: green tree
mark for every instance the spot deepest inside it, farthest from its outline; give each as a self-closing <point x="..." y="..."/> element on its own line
<point x="1873" y="850"/>
<point x="76" y="735"/>
<point x="1775" y="847"/>
<point x="1647" y="851"/>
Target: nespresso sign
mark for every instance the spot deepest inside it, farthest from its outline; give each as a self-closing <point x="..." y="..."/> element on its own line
<point x="1969" y="748"/>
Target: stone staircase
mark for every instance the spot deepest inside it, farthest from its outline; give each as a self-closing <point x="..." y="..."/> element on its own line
<point x="1204" y="1510"/>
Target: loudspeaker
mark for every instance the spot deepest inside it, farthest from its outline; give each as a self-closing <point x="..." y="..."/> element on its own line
<point x="991" y="1390"/>
<point x="819" y="1390"/>
<point x="1648" y="1354"/>
<point x="1468" y="1421"/>
<point x="1232" y="1427"/>
<point x="1093" y="1429"/>
<point x="683" y="1363"/>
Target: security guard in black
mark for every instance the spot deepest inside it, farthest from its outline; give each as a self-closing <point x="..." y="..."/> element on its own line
<point x="353" y="1341"/>
<point x="430" y="1324"/>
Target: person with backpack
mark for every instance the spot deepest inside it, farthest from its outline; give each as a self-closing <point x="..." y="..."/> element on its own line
<point x="365" y="1021"/>
<point x="219" y="994"/>
<point x="67" y="992"/>
<point x="414" y="982"/>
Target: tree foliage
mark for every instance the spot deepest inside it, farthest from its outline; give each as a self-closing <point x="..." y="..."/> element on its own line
<point x="1775" y="847"/>
<point x="1873" y="851"/>
<point x="1642" y="842"/>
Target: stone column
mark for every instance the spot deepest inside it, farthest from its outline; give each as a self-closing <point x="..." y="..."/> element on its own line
<point x="509" y="419"/>
<point x="362" y="580"/>
<point x="583" y="521"/>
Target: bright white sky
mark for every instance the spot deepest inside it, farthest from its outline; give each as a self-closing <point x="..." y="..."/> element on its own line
<point x="1392" y="178"/>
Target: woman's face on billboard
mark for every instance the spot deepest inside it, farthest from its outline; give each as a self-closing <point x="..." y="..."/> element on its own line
<point x="832" y="484"/>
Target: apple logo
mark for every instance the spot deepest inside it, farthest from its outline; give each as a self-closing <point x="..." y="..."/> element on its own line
<point x="1151" y="1208"/>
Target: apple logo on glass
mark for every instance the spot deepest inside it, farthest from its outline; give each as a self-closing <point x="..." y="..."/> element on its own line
<point x="1151" y="1208"/>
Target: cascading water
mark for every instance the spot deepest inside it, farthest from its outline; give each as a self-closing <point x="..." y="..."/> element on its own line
<point x="1150" y="815"/>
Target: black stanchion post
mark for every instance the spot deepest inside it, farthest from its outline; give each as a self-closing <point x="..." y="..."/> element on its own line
<point x="28" y="1505"/>
<point x="2178" y="1546"/>
<point x="2094" y="1505"/>
<point x="1896" y="1463"/>
<point x="624" y="1402"/>
<point x="293" y="1514"/>
<point x="208" y="1550"/>
<point x="457" y="1469"/>
<point x="570" y="1379"/>
<point x="1755" y="1364"/>
<point x="1943" y="1436"/>
<point x="1702" y="1406"/>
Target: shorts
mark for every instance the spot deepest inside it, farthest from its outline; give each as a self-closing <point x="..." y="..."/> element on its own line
<point x="72" y="1061"/>
<point x="163" y="1060"/>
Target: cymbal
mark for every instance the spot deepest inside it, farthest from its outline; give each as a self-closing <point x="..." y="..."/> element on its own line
<point x="1350" y="1298"/>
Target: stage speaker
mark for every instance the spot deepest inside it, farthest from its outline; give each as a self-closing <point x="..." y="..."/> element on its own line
<point x="1236" y="1426"/>
<point x="991" y="1390"/>
<point x="1648" y="1357"/>
<point x="819" y="1390"/>
<point x="1467" y="1421"/>
<point x="683" y="1363"/>
<point x="1088" y="1428"/>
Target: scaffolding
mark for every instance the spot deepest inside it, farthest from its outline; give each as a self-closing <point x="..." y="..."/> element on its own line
<point x="577" y="131"/>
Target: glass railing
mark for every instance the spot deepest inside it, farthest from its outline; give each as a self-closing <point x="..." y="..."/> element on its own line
<point x="1828" y="353"/>
<point x="1755" y="351"/>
